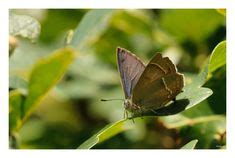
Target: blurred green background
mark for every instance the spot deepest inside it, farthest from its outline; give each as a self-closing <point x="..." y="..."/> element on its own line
<point x="72" y="111"/>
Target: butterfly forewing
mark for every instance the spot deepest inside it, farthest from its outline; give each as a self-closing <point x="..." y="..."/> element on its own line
<point x="158" y="84"/>
<point x="130" y="68"/>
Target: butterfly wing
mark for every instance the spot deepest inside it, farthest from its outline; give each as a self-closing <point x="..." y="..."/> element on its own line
<point x="159" y="83"/>
<point x="130" y="68"/>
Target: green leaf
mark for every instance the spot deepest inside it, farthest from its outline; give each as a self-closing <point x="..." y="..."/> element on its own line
<point x="91" y="27"/>
<point x="107" y="132"/>
<point x="44" y="76"/>
<point x="25" y="26"/>
<point x="15" y="109"/>
<point x="218" y="57"/>
<point x="190" y="145"/>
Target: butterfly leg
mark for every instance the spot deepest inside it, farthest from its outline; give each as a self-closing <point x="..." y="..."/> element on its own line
<point x="154" y="111"/>
<point x="141" y="113"/>
<point x="139" y="110"/>
<point x="124" y="114"/>
<point x="133" y="120"/>
<point x="132" y="117"/>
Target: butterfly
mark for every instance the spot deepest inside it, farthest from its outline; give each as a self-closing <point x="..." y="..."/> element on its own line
<point x="150" y="87"/>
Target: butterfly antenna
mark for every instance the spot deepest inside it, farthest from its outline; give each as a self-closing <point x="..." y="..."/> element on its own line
<point x="111" y="99"/>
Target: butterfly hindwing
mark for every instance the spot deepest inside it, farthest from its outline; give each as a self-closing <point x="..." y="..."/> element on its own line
<point x="130" y="68"/>
<point x="159" y="83"/>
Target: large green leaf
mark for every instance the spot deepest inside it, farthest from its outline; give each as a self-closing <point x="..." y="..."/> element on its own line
<point x="45" y="74"/>
<point x="91" y="26"/>
<point x="190" y="145"/>
<point x="23" y="25"/>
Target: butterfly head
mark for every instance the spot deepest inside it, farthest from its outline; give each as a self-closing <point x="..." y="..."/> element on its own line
<point x="127" y="104"/>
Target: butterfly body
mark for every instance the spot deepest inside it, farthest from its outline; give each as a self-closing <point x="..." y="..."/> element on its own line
<point x="130" y="106"/>
<point x="148" y="87"/>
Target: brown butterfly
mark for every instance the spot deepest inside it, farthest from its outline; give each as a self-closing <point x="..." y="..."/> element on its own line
<point x="148" y="87"/>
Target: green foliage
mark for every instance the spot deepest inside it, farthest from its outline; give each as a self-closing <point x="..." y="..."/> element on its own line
<point x="45" y="74"/>
<point x="190" y="145"/>
<point x="72" y="112"/>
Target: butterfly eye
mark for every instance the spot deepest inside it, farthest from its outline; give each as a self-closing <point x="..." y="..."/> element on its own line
<point x="127" y="104"/>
